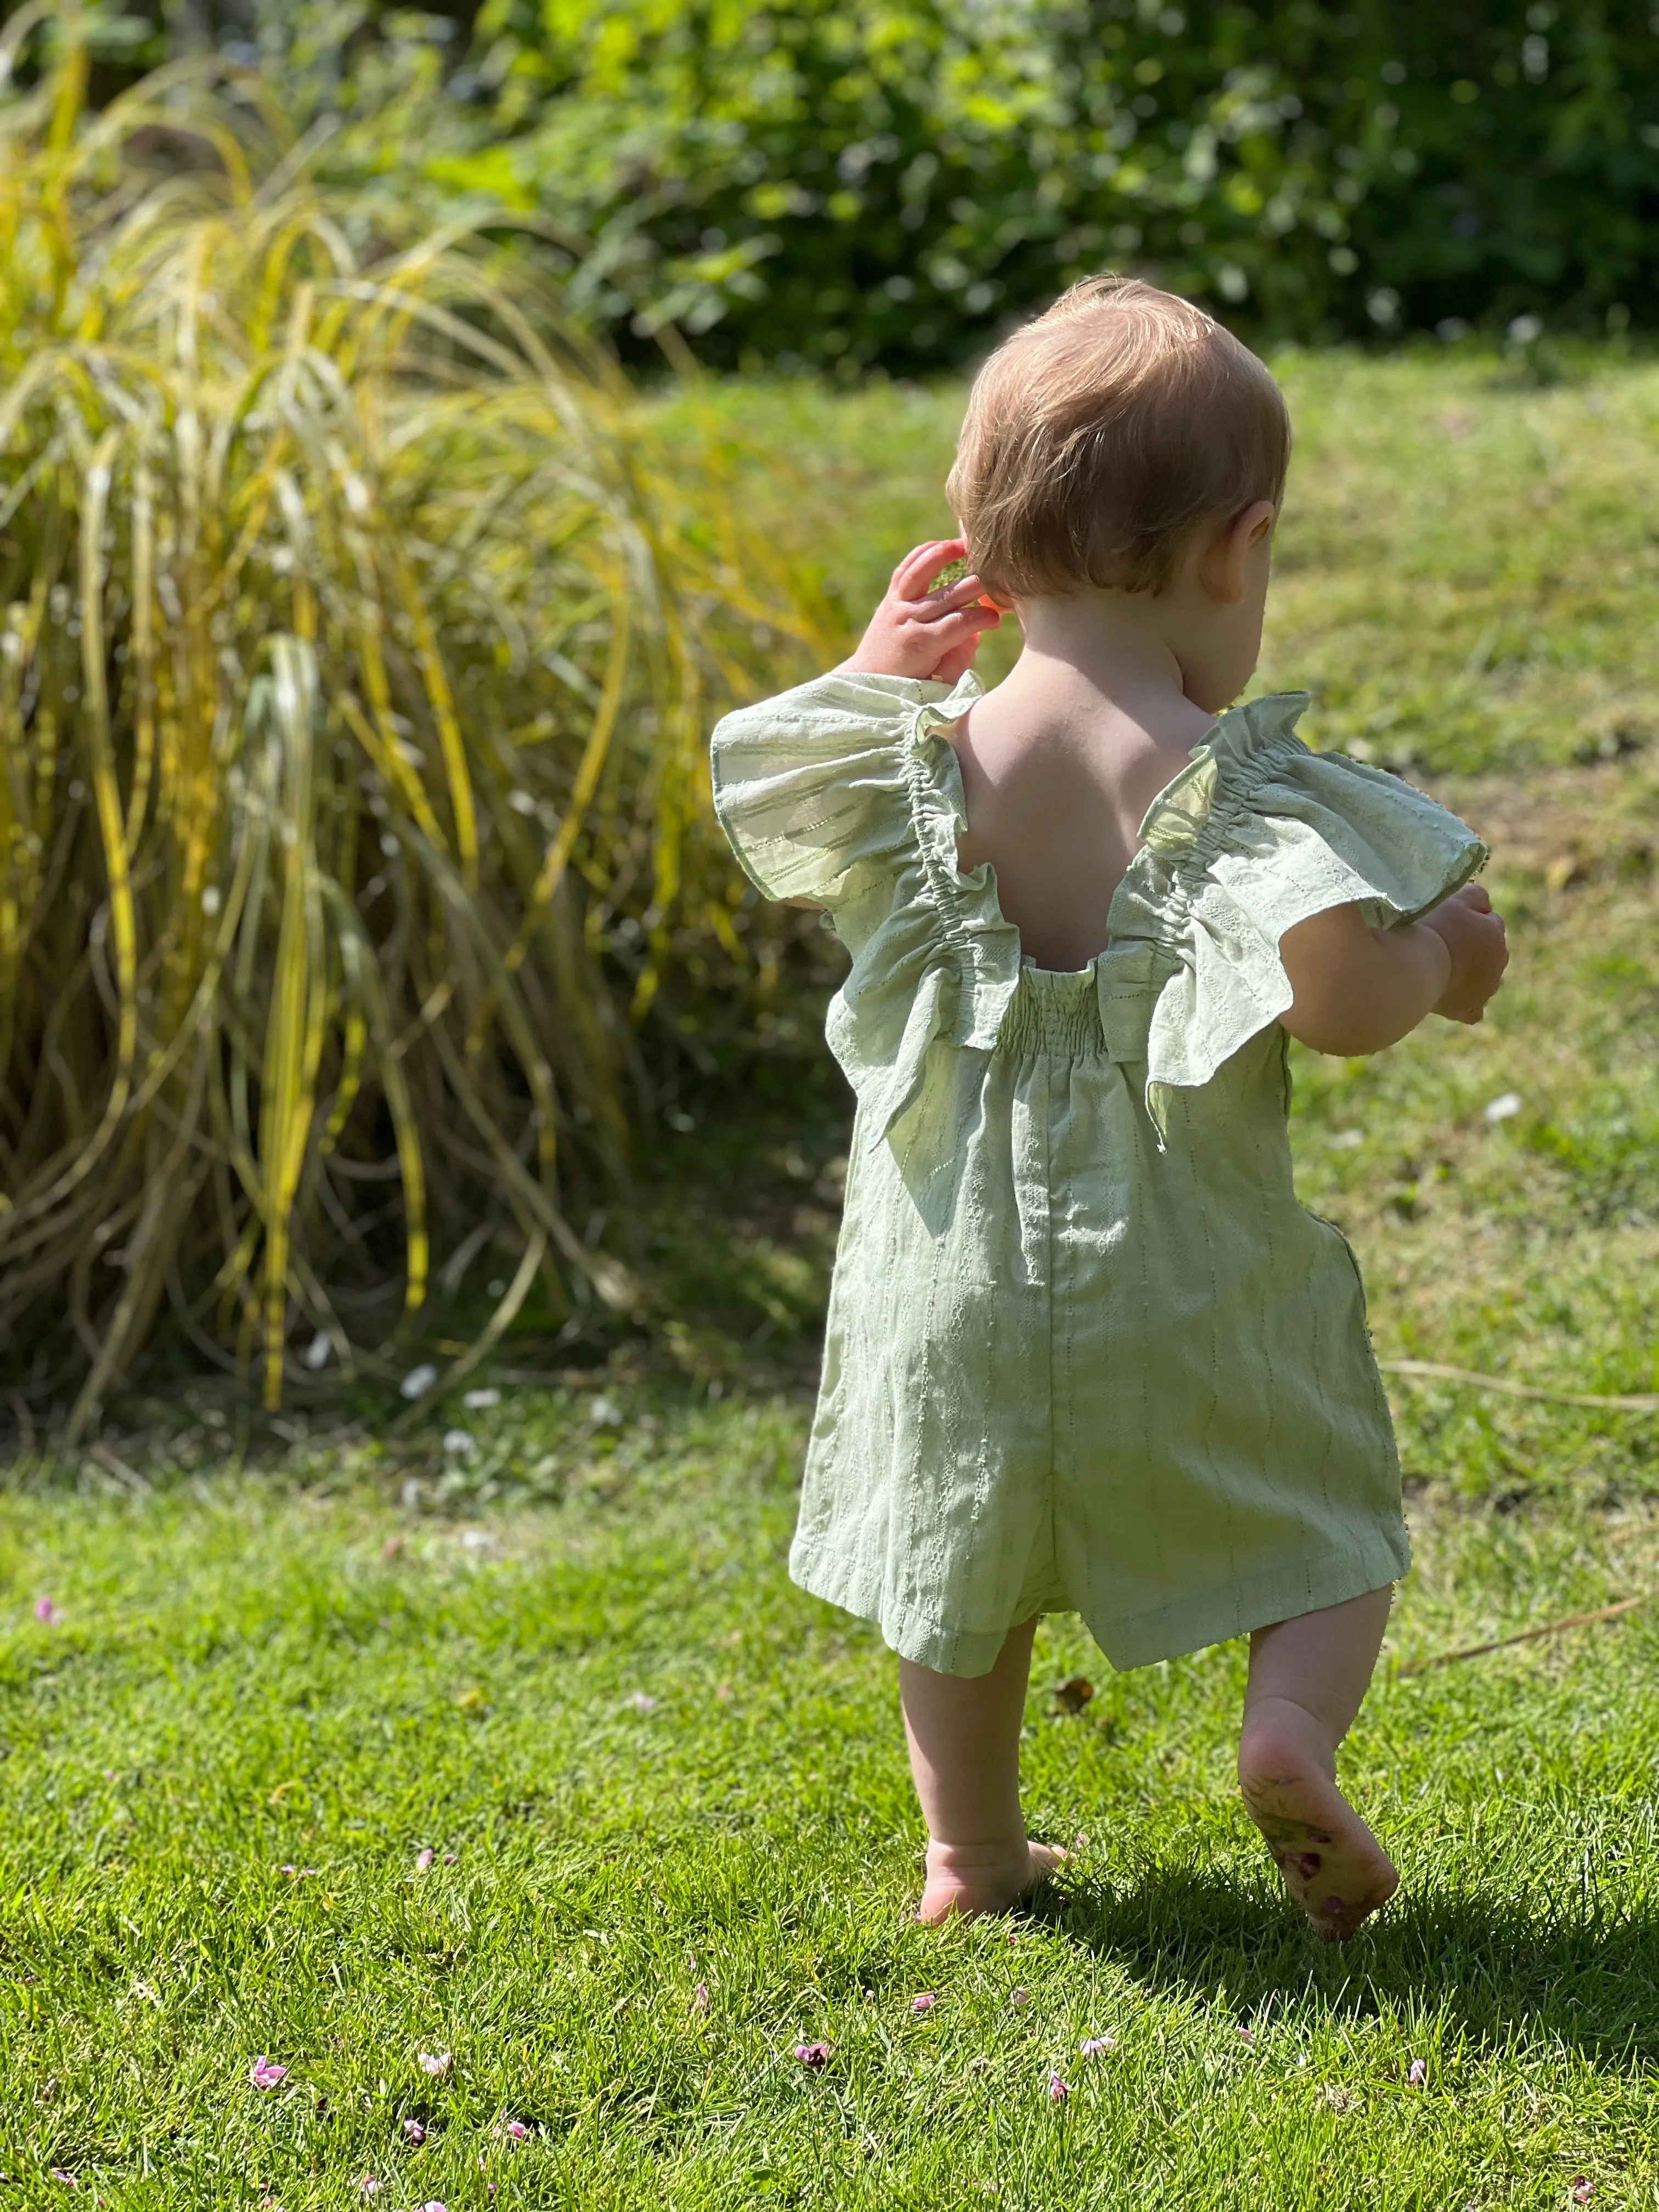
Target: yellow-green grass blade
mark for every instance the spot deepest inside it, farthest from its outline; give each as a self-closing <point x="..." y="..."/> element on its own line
<point x="297" y="974"/>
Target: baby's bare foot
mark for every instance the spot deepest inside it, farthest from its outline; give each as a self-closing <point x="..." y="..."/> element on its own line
<point x="973" y="1878"/>
<point x="1333" y="1865"/>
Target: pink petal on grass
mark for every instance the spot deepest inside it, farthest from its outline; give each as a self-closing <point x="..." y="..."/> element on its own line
<point x="516" y="2130"/>
<point x="367" y="2184"/>
<point x="1058" y="2092"/>
<point x="415" y="2132"/>
<point x="812" y="2054"/>
<point x="264" y="2075"/>
<point x="925" y="2003"/>
<point x="46" y="1611"/>
<point x="1417" y="2073"/>
<point x="1020" y="1998"/>
<point x="700" y="1998"/>
<point x="435" y="2062"/>
<point x="1584" y="2189"/>
<point x="1092" y="2046"/>
<point x="424" y="1860"/>
<point x="57" y="2173"/>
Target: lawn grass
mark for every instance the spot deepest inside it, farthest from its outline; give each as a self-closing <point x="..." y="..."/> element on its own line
<point x="566" y="1652"/>
<point x="659" y="1766"/>
<point x="1464" y="571"/>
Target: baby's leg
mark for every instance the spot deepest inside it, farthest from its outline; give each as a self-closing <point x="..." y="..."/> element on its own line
<point x="964" y="1755"/>
<point x="1307" y="1678"/>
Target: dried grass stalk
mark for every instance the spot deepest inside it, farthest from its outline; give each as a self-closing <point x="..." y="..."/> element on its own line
<point x="355" y="667"/>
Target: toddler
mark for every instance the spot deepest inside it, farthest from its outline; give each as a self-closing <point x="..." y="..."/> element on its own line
<point x="1085" y="1350"/>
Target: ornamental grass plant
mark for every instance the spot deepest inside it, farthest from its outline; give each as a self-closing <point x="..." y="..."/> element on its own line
<point x="358" y="646"/>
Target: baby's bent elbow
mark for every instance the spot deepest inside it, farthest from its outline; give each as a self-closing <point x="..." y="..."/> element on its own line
<point x="1343" y="1034"/>
<point x="1346" y="1026"/>
<point x="1341" y="1038"/>
<point x="1358" y="989"/>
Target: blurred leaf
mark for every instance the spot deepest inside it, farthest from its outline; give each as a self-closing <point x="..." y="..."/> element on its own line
<point x="834" y="185"/>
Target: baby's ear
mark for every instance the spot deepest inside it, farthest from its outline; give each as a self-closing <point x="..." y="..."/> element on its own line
<point x="1256" y="522"/>
<point x="1222" y="564"/>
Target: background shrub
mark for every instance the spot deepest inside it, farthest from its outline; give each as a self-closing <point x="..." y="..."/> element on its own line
<point x="843" y="182"/>
<point x="357" y="649"/>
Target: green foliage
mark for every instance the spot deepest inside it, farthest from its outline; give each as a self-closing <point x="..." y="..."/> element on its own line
<point x="888" y="180"/>
<point x="357" y="649"/>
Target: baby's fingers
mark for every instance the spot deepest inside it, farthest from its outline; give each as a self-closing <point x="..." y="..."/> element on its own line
<point x="968" y="622"/>
<point x="965" y="593"/>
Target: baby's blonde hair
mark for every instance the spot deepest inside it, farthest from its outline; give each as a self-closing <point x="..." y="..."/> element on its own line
<point x="1101" y="437"/>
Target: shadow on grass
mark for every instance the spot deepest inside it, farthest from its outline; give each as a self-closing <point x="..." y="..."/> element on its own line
<point x="1583" y="1973"/>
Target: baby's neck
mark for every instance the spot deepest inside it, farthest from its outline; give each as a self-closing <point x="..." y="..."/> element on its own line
<point x="1110" y="646"/>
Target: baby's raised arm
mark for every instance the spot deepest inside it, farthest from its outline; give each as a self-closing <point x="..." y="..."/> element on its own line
<point x="1358" y="989"/>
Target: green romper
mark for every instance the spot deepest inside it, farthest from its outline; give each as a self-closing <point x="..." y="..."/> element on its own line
<point x="1086" y="1351"/>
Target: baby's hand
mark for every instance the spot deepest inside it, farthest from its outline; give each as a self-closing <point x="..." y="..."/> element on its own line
<point x="918" y="632"/>
<point x="1474" y="935"/>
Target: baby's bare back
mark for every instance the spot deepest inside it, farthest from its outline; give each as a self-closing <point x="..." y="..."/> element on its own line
<point x="1057" y="779"/>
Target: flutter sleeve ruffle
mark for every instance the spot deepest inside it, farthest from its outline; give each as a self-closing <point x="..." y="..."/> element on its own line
<point x="811" y="787"/>
<point x="846" y="791"/>
<point x="1259" y="834"/>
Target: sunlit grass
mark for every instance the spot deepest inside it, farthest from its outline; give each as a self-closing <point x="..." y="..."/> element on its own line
<point x="1465" y="573"/>
<point x="659" y="1768"/>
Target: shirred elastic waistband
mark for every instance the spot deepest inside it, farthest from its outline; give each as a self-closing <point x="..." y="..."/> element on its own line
<point x="1054" y="1013"/>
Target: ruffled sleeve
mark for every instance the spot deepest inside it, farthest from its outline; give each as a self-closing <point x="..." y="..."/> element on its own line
<point x="811" y="787"/>
<point x="847" y="790"/>
<point x="1257" y="835"/>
